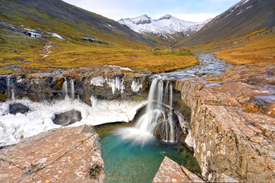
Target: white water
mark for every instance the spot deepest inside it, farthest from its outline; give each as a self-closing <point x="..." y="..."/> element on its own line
<point x="8" y="85"/>
<point x="72" y="89"/>
<point x="10" y="88"/>
<point x="143" y="130"/>
<point x="12" y="95"/>
<point x="170" y="117"/>
<point x="65" y="88"/>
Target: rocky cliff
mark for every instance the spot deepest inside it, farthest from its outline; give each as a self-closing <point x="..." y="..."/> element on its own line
<point x="101" y="82"/>
<point x="233" y="124"/>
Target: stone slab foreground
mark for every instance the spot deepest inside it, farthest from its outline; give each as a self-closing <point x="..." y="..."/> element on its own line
<point x="70" y="154"/>
<point x="170" y="171"/>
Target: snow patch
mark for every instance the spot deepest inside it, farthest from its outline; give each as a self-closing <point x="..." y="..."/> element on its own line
<point x="116" y="84"/>
<point x="164" y="25"/>
<point x="136" y="86"/>
<point x="97" y="81"/>
<point x="121" y="68"/>
<point x="57" y="36"/>
<point x="40" y="117"/>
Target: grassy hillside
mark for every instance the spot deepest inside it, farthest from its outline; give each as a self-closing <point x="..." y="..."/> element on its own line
<point x="121" y="47"/>
<point x="237" y="21"/>
<point x="254" y="48"/>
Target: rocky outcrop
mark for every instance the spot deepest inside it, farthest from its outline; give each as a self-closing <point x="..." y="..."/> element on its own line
<point x="102" y="82"/>
<point x="170" y="171"/>
<point x="70" y="154"/>
<point x="232" y="124"/>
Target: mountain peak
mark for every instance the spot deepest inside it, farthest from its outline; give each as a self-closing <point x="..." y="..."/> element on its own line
<point x="167" y="16"/>
<point x="143" y="19"/>
<point x="167" y="24"/>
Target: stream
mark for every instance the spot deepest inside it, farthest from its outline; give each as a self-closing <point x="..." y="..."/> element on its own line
<point x="131" y="151"/>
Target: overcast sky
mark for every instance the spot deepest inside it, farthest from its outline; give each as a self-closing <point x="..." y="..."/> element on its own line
<point x="190" y="10"/>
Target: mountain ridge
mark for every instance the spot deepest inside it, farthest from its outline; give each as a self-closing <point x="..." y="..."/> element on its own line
<point x="166" y="24"/>
<point x="242" y="18"/>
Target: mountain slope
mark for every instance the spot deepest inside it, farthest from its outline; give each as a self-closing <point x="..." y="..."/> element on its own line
<point x="49" y="35"/>
<point x="67" y="20"/>
<point x="241" y="19"/>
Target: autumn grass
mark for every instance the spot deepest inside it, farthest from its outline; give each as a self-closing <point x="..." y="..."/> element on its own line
<point x="253" y="48"/>
<point x="257" y="50"/>
<point x="71" y="55"/>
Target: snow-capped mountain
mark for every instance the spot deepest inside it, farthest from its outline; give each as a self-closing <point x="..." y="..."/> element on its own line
<point x="164" y="25"/>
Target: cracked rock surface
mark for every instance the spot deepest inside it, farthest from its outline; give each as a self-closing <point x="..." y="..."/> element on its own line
<point x="70" y="154"/>
<point x="170" y="171"/>
<point x="233" y="124"/>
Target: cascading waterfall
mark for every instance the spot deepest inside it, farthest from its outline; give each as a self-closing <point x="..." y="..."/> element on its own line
<point x="12" y="95"/>
<point x="10" y="88"/>
<point x="72" y="89"/>
<point x="143" y="130"/>
<point x="8" y="85"/>
<point x="170" y="117"/>
<point x="65" y="88"/>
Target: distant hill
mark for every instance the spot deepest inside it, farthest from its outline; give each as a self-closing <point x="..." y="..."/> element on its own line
<point x="68" y="21"/>
<point x="241" y="19"/>
<point x="166" y="28"/>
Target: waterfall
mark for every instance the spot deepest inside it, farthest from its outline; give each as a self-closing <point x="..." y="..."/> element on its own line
<point x="143" y="130"/>
<point x="170" y="117"/>
<point x="10" y="88"/>
<point x="65" y="88"/>
<point x="72" y="89"/>
<point x="12" y="95"/>
<point x="8" y="85"/>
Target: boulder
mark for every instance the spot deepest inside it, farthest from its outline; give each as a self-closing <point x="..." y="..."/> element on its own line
<point x="70" y="154"/>
<point x="67" y="118"/>
<point x="18" y="108"/>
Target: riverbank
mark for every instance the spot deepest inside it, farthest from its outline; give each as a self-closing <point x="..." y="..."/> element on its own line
<point x="82" y="93"/>
<point x="233" y="123"/>
<point x="231" y="114"/>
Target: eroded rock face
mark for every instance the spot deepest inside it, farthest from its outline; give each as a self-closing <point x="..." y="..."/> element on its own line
<point x="170" y="171"/>
<point x="232" y="124"/>
<point x="70" y="154"/>
<point x="101" y="82"/>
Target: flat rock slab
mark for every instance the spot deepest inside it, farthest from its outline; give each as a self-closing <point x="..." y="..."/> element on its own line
<point x="170" y="171"/>
<point x="70" y="154"/>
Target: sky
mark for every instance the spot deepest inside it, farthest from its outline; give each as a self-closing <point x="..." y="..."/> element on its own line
<point x="189" y="10"/>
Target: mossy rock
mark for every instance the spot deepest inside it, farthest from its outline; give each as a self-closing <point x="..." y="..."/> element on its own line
<point x="3" y="97"/>
<point x="58" y="83"/>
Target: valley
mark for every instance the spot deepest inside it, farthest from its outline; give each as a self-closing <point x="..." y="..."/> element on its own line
<point x="84" y="98"/>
